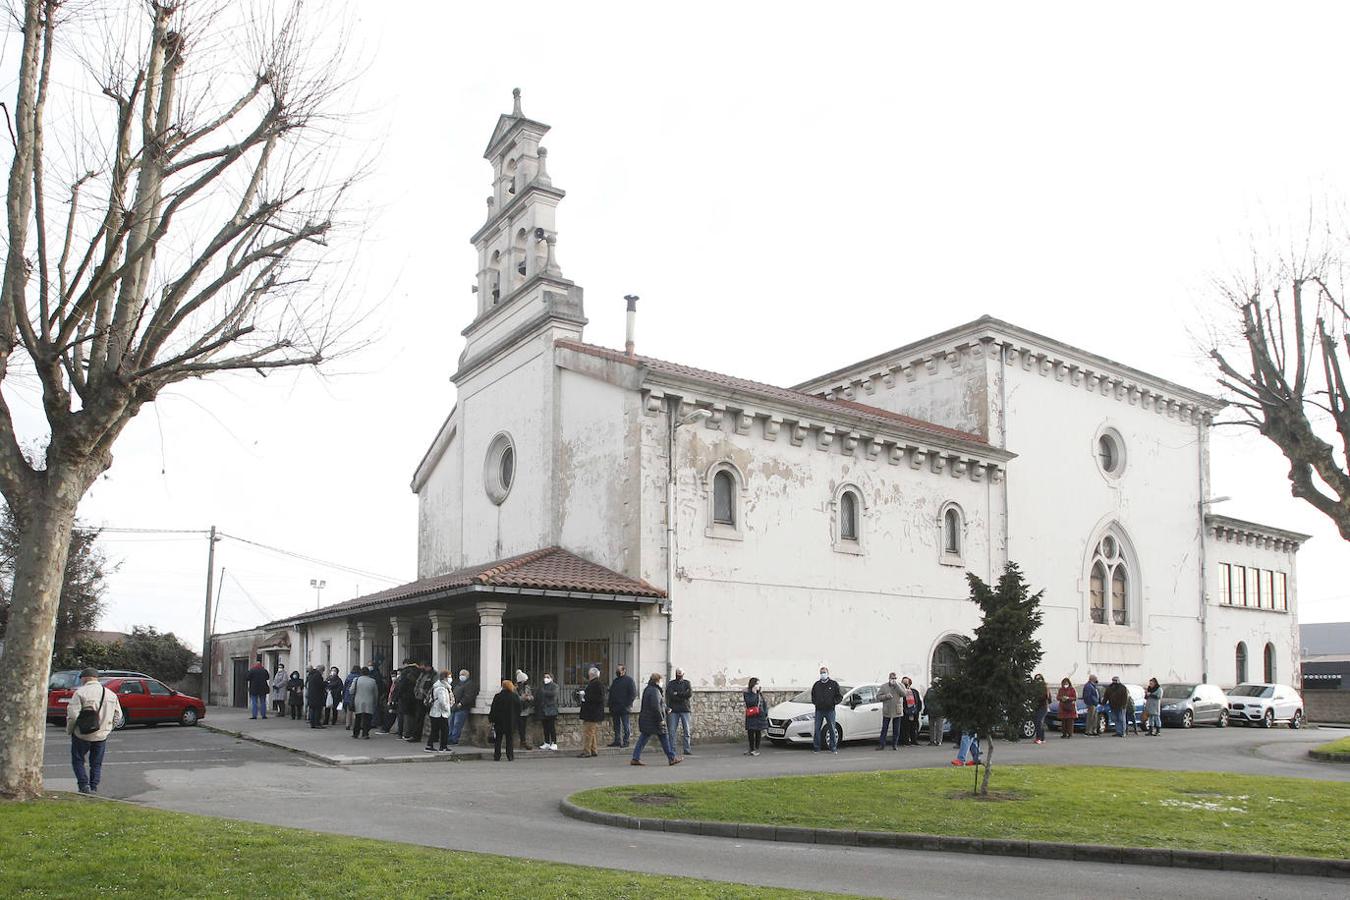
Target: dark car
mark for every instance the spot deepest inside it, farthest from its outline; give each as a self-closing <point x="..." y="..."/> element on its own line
<point x="63" y="683"/>
<point x="1102" y="712"/>
<point x="1184" y="705"/>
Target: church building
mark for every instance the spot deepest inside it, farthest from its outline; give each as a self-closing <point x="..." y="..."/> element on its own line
<point x="582" y="505"/>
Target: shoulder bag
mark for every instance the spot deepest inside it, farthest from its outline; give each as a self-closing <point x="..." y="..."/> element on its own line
<point x="90" y="718"/>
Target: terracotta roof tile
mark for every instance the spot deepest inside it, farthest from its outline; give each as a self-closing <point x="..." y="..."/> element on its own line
<point x="550" y="569"/>
<point x="772" y="392"/>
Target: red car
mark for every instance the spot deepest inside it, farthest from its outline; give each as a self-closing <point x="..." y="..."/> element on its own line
<point x="63" y="683"/>
<point x="144" y="701"/>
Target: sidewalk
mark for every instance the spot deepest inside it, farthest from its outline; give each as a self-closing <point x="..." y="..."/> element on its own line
<point x="335" y="746"/>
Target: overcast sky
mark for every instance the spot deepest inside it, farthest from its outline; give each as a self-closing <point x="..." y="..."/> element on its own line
<point x="789" y="187"/>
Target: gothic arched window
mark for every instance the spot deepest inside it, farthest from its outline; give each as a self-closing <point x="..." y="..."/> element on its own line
<point x="1109" y="583"/>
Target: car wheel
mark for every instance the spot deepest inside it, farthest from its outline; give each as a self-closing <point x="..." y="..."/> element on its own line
<point x="122" y="722"/>
<point x="1187" y="719"/>
<point x="189" y="717"/>
<point x="1028" y="729"/>
<point x="1268" y="720"/>
<point x="1223" y="719"/>
<point x="1297" y="720"/>
<point x="838" y="735"/>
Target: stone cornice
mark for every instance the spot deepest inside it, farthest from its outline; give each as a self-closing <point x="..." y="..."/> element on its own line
<point x="1240" y="531"/>
<point x="987" y="336"/>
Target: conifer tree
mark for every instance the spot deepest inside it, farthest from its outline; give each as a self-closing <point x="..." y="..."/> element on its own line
<point x="990" y="687"/>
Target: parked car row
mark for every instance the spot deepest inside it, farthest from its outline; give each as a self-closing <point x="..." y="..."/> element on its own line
<point x="144" y="700"/>
<point x="1184" y="705"/>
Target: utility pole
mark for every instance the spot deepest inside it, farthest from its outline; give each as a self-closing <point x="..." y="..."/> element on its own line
<point x="206" y="619"/>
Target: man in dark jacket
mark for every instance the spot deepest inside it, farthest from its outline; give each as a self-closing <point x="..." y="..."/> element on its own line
<point x="652" y="721"/>
<point x="259" y="689"/>
<point x="911" y="709"/>
<point x="316" y="693"/>
<point x="622" y="693"/>
<point x="464" y="694"/>
<point x="1117" y="696"/>
<point x="679" y="693"/>
<point x="592" y="713"/>
<point x="1092" y="698"/>
<point x="425" y="678"/>
<point x="935" y="718"/>
<point x="825" y="696"/>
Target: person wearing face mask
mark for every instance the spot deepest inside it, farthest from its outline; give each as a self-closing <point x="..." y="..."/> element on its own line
<point x="465" y="694"/>
<point x="546" y="703"/>
<point x="891" y="695"/>
<point x="825" y="696"/>
<point x="526" y="693"/>
<point x="910" y="711"/>
<point x="679" y="693"/>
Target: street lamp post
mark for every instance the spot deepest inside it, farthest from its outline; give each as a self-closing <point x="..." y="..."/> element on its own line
<point x="318" y="584"/>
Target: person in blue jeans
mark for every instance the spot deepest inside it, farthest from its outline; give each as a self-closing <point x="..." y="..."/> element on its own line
<point x="825" y="696"/>
<point x="1117" y="697"/>
<point x="259" y="690"/>
<point x="464" y="693"/>
<point x="970" y="744"/>
<point x="90" y="744"/>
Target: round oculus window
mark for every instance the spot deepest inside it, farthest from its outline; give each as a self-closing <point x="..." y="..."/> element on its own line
<point x="499" y="469"/>
<point x="1110" y="453"/>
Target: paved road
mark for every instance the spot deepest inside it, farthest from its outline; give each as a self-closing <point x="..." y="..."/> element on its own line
<point x="512" y="809"/>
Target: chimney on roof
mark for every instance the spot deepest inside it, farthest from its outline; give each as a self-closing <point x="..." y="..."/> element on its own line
<point x="632" y="323"/>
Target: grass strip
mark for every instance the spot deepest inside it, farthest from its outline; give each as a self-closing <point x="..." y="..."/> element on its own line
<point x="69" y="847"/>
<point x="1072" y="804"/>
<point x="1340" y="749"/>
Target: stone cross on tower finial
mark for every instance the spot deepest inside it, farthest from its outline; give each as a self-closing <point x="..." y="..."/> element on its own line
<point x="515" y="107"/>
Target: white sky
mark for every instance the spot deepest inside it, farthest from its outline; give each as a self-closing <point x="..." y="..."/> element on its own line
<point x="789" y="187"/>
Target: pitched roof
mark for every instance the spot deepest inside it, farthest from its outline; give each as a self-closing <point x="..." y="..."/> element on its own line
<point x="550" y="569"/>
<point x="772" y="392"/>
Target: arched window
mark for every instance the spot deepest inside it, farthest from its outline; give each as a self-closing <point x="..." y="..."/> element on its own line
<point x="724" y="498"/>
<point x="1241" y="662"/>
<point x="944" y="659"/>
<point x="511" y="174"/>
<point x="495" y="276"/>
<point x="951" y="534"/>
<point x="519" y="253"/>
<point x="1270" y="663"/>
<point x="848" y="516"/>
<point x="1109" y="583"/>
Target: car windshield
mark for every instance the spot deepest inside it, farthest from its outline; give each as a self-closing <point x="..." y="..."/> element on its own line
<point x="1252" y="690"/>
<point x="1177" y="691"/>
<point x="805" y="696"/>
<point x="63" y="681"/>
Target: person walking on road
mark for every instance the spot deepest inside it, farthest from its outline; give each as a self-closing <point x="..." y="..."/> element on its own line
<point x="465" y="696"/>
<point x="316" y="692"/>
<point x="295" y="694"/>
<point x="365" y="703"/>
<point x="1092" y="698"/>
<point x="442" y="696"/>
<point x="546" y="702"/>
<point x="825" y="696"/>
<point x="526" y="693"/>
<point x="622" y="693"/>
<point x="279" y="691"/>
<point x="910" y="711"/>
<point x="1067" y="698"/>
<point x="1117" y="697"/>
<point x="891" y="695"/>
<point x="1041" y="691"/>
<point x="679" y="694"/>
<point x="1153" y="707"/>
<point x="756" y="715"/>
<point x="92" y="712"/>
<point x="503" y="713"/>
<point x="592" y="714"/>
<point x="933" y="706"/>
<point x="652" y="722"/>
<point x="259" y="689"/>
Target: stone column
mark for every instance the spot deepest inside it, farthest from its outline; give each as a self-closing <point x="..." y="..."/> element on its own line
<point x="402" y="629"/>
<point x="489" y="652"/>
<point x="353" y="648"/>
<point x="366" y="636"/>
<point x="633" y="627"/>
<point x="440" y="639"/>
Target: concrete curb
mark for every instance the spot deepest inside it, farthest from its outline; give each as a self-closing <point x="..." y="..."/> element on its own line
<point x="343" y="761"/>
<point x="1326" y="756"/>
<point x="1138" y="856"/>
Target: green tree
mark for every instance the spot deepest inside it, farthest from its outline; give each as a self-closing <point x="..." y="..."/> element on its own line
<point x="990" y="687"/>
<point x="81" y="604"/>
<point x="161" y="655"/>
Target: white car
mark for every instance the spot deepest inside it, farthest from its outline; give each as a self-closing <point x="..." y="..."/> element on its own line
<point x="857" y="718"/>
<point x="1267" y="704"/>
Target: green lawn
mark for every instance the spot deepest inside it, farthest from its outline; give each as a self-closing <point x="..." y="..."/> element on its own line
<point x="1123" y="807"/>
<point x="68" y="847"/>
<point x="1340" y="748"/>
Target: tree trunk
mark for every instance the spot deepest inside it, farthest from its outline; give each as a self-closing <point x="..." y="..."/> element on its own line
<point x="988" y="767"/>
<point x="26" y="663"/>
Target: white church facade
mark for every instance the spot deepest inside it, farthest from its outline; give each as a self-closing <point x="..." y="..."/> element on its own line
<point x="583" y="505"/>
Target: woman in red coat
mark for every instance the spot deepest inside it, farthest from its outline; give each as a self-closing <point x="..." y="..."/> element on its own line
<point x="1068" y="707"/>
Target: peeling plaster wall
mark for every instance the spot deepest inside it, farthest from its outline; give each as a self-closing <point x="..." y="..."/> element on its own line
<point x="439" y="522"/>
<point x="780" y="600"/>
<point x="1227" y="625"/>
<point x="951" y="390"/>
<point x="1060" y="501"/>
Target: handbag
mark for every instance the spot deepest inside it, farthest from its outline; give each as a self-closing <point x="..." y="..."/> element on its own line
<point x="753" y="712"/>
<point x="492" y="734"/>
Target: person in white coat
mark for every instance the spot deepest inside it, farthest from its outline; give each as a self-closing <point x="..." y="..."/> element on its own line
<point x="89" y="735"/>
<point x="442" y="697"/>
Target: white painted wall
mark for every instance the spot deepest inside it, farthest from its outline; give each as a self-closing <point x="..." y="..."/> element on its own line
<point x="1228" y="625"/>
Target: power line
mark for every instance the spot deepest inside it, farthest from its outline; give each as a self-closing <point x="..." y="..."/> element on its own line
<point x="256" y="605"/>
<point x="311" y="559"/>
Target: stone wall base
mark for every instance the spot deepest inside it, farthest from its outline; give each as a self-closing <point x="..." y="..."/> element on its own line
<point x="1327" y="706"/>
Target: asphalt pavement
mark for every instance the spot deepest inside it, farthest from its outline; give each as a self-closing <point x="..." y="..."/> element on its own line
<point x="513" y="809"/>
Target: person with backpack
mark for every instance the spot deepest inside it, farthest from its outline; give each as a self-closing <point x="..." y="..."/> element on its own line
<point x="92" y="712"/>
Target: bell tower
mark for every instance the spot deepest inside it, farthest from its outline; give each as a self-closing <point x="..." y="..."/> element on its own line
<point x="521" y="290"/>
